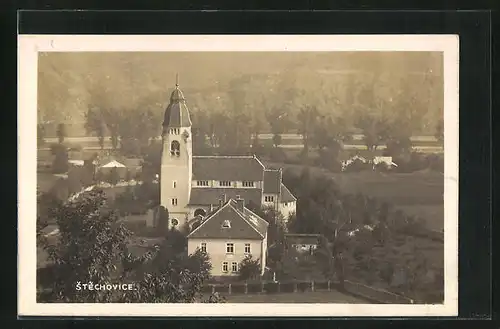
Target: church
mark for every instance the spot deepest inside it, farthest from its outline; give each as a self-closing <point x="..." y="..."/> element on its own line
<point x="194" y="186"/>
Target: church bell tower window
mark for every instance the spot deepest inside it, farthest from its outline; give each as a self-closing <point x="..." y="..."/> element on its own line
<point x="175" y="148"/>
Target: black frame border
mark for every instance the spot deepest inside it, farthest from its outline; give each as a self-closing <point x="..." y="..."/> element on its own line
<point x="474" y="30"/>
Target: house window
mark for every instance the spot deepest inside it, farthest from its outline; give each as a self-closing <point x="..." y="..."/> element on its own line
<point x="175" y="148"/>
<point x="174" y="201"/>
<point x="226" y="224"/>
<point x="269" y="198"/>
<point x="229" y="248"/>
<point x="202" y="183"/>
<point x="203" y="247"/>
<point x="234" y="267"/>
<point x="247" y="248"/>
<point x="174" y="184"/>
<point x="286" y="204"/>
<point x="225" y="267"/>
<point x="248" y="184"/>
<point x="225" y="183"/>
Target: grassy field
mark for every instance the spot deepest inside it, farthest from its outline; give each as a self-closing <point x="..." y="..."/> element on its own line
<point x="418" y="193"/>
<point x="306" y="297"/>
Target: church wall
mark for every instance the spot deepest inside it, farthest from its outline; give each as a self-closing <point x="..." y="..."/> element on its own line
<point x="176" y="173"/>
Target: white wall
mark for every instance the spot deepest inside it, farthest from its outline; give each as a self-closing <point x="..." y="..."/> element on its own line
<point x="177" y="169"/>
<point x="216" y="249"/>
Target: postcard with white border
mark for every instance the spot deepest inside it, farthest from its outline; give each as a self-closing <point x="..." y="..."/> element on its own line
<point x="249" y="175"/>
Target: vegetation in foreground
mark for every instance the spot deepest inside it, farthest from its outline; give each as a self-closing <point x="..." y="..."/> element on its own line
<point x="92" y="249"/>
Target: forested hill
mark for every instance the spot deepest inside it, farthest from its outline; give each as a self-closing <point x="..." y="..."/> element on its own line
<point x="70" y="83"/>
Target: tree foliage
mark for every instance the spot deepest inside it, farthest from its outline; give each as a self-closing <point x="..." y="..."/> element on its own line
<point x="93" y="247"/>
<point x="249" y="268"/>
<point x="365" y="233"/>
<point x="60" y="163"/>
<point x="61" y="132"/>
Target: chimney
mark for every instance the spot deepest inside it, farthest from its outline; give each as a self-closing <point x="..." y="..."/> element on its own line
<point x="224" y="198"/>
<point x="240" y="204"/>
<point x="221" y="202"/>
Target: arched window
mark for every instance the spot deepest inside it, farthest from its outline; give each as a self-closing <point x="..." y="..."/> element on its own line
<point x="175" y="148"/>
<point x="199" y="212"/>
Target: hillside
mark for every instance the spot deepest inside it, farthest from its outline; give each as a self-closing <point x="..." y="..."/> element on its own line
<point x="71" y="82"/>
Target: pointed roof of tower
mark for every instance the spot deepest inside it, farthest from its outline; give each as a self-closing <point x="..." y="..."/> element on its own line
<point x="177" y="112"/>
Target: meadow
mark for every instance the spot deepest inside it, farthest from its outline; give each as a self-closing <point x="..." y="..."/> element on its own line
<point x="304" y="297"/>
<point x="418" y="193"/>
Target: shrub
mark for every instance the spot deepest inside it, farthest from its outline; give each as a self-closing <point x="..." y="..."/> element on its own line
<point x="249" y="268"/>
<point x="358" y="165"/>
<point x="303" y="286"/>
<point x="320" y="285"/>
<point x="207" y="289"/>
<point x="60" y="164"/>
<point x="287" y="287"/>
<point x="271" y="287"/>
<point x="238" y="288"/>
<point x="381" y="167"/>
<point x="277" y="154"/>
<point x="221" y="288"/>
<point x="254" y="287"/>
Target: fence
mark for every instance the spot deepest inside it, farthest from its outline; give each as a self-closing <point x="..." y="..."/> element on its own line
<point x="270" y="287"/>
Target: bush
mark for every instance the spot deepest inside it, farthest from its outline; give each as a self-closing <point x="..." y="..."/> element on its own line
<point x="303" y="286"/>
<point x="277" y="154"/>
<point x="321" y="285"/>
<point x="238" y="288"/>
<point x="287" y="287"/>
<point x="254" y="287"/>
<point x="207" y="289"/>
<point x="271" y="287"/>
<point x="221" y="288"/>
<point x="436" y="162"/>
<point x="381" y="167"/>
<point x="249" y="268"/>
<point x="358" y="165"/>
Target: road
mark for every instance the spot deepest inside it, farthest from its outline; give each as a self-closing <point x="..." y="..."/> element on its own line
<point x="416" y="140"/>
<point x="87" y="139"/>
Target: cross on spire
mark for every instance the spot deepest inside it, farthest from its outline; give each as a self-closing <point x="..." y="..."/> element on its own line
<point x="177" y="79"/>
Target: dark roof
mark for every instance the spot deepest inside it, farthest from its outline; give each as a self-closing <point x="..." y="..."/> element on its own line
<point x="272" y="181"/>
<point x="208" y="196"/>
<point x="177" y="113"/>
<point x="286" y="195"/>
<point x="244" y="224"/>
<point x="231" y="168"/>
<point x="302" y="238"/>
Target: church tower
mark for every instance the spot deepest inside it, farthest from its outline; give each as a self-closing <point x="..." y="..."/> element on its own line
<point x="176" y="159"/>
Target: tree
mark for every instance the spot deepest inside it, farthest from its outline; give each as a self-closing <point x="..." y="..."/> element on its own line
<point x="163" y="219"/>
<point x="90" y="244"/>
<point x="249" y="268"/>
<point x="40" y="135"/>
<point x="93" y="248"/>
<point x="60" y="163"/>
<point x="375" y="130"/>
<point x="114" y="176"/>
<point x="307" y="121"/>
<point x="61" y="132"/>
<point x="94" y="123"/>
<point x="324" y="257"/>
<point x="439" y="134"/>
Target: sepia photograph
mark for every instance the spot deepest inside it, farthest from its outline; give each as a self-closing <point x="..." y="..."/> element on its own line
<point x="311" y="177"/>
